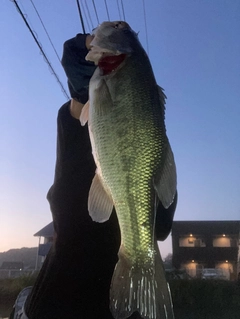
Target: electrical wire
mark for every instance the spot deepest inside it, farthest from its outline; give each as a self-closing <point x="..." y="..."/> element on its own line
<point x="80" y="16"/>
<point x="93" y="2"/>
<point x="89" y="15"/>
<point x="120" y="16"/>
<point x="107" y="9"/>
<point x="41" y="49"/>
<point x="85" y="15"/>
<point x="45" y="31"/>
<point x="123" y="11"/>
<point x="145" y="21"/>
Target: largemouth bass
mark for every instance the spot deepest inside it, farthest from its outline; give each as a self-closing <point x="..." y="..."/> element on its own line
<point x="135" y="166"/>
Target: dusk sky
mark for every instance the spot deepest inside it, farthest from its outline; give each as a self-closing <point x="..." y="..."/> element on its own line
<point x="194" y="48"/>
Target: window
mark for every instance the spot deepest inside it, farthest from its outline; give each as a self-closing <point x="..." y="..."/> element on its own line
<point x="221" y="241"/>
<point x="191" y="242"/>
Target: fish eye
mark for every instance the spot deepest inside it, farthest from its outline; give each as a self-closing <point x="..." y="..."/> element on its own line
<point x="118" y="24"/>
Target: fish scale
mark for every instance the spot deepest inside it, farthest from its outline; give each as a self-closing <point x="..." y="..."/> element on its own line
<point x="139" y="160"/>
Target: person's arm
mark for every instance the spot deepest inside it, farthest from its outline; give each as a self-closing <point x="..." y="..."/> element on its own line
<point x="69" y="131"/>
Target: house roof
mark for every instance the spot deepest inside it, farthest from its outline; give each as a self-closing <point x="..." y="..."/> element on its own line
<point x="46" y="231"/>
<point x="231" y="227"/>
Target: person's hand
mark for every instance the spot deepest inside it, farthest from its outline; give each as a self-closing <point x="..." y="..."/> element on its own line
<point x="75" y="108"/>
<point x="89" y="39"/>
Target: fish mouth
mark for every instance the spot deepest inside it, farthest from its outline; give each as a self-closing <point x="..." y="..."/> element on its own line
<point x="110" y="45"/>
<point x="110" y="63"/>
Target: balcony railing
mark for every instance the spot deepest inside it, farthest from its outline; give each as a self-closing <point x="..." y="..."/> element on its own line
<point x="206" y="253"/>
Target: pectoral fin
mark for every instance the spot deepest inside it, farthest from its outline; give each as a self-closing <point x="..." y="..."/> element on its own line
<point x="100" y="204"/>
<point x="165" y="181"/>
<point x="84" y="114"/>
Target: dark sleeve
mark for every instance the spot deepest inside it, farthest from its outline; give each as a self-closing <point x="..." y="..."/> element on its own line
<point x="74" y="153"/>
<point x="74" y="172"/>
<point x="75" y="166"/>
<point x="76" y="274"/>
<point x="77" y="69"/>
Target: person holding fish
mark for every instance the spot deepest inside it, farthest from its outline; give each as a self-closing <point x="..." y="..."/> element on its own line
<point x="76" y="276"/>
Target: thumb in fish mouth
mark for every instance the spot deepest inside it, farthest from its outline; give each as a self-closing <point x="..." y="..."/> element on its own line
<point x="96" y="53"/>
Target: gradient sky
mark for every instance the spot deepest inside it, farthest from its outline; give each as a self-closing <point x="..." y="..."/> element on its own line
<point x="194" y="48"/>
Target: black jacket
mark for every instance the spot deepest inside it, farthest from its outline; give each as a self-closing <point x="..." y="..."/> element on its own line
<point x="75" y="278"/>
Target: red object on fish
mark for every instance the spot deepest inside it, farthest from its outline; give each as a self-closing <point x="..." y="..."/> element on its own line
<point x="109" y="63"/>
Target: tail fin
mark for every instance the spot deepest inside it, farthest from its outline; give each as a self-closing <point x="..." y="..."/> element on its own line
<point x="144" y="290"/>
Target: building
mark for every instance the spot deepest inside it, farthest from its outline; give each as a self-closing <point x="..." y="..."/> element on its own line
<point x="45" y="235"/>
<point x="206" y="244"/>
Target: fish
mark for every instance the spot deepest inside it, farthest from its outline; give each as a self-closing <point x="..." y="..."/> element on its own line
<point x="135" y="166"/>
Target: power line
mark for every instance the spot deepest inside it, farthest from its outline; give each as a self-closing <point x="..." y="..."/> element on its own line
<point x="123" y="11"/>
<point x="89" y="16"/>
<point x="95" y="10"/>
<point x="41" y="49"/>
<point x="85" y="15"/>
<point x="120" y="16"/>
<point x="107" y="9"/>
<point x="46" y="31"/>
<point x="80" y="15"/>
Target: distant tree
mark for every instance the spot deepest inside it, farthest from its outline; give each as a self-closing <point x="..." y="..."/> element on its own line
<point x="168" y="258"/>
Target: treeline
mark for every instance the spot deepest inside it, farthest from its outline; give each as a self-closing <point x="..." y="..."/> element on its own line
<point x="25" y="255"/>
<point x="205" y="299"/>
